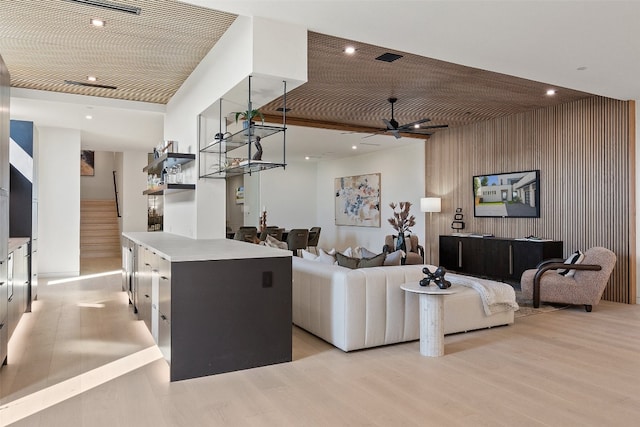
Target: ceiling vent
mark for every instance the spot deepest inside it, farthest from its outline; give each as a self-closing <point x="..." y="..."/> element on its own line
<point x="95" y="85"/>
<point x="111" y="6"/>
<point x="388" y="57"/>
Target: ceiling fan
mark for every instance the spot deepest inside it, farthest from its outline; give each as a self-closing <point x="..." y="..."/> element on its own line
<point x="414" y="127"/>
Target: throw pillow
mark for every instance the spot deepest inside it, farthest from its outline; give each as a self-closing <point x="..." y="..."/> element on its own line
<point x="374" y="261"/>
<point x="308" y="255"/>
<point x="324" y="257"/>
<point x="574" y="258"/>
<point x="347" y="252"/>
<point x="394" y="258"/>
<point x="347" y="261"/>
<point x="353" y="263"/>
<point x="365" y="253"/>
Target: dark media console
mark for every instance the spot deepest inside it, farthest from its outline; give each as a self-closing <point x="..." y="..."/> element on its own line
<point x="495" y="258"/>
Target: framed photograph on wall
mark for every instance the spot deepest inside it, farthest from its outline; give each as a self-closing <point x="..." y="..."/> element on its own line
<point x="358" y="200"/>
<point x="87" y="163"/>
<point x="240" y="195"/>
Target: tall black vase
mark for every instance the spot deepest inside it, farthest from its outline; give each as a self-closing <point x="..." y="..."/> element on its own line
<point x="401" y="245"/>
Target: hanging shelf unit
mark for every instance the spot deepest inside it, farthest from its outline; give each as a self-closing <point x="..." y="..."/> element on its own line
<point x="165" y="161"/>
<point x="224" y="165"/>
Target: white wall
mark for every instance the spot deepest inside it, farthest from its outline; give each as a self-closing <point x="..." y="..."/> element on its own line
<point x="289" y="196"/>
<point x="132" y="181"/>
<point x="402" y="179"/>
<point x="100" y="185"/>
<point x="59" y="201"/>
<point x="202" y="214"/>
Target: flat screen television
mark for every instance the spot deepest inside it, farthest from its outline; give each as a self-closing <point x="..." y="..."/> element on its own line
<point x="507" y="195"/>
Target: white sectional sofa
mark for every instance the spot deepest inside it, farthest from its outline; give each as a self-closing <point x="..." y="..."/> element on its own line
<point x="361" y="308"/>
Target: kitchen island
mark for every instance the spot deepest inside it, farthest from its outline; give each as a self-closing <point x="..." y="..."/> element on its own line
<point x="212" y="305"/>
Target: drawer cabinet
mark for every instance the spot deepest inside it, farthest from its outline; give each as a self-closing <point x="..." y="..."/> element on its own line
<point x="495" y="258"/>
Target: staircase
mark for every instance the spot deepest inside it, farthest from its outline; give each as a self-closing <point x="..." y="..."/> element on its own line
<point x="99" y="229"/>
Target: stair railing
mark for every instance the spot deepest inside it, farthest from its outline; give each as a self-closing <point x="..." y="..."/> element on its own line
<point x="115" y="190"/>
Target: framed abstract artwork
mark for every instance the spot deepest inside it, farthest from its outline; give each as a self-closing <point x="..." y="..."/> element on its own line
<point x="358" y="200"/>
<point x="87" y="163"/>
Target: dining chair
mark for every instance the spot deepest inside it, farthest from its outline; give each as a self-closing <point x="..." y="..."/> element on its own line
<point x="273" y="231"/>
<point x="246" y="234"/>
<point x="297" y="239"/>
<point x="314" y="238"/>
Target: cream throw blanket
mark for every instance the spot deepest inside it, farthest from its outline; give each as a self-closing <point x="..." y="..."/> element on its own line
<point x="496" y="297"/>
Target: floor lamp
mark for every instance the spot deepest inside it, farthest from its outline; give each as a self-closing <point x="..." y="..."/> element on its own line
<point x="431" y="205"/>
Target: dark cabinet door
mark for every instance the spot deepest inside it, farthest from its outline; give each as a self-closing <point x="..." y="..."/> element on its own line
<point x="527" y="255"/>
<point x="497" y="256"/>
<point x="449" y="252"/>
<point x="473" y="258"/>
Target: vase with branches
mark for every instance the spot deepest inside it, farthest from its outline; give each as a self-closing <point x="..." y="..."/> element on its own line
<point x="401" y="221"/>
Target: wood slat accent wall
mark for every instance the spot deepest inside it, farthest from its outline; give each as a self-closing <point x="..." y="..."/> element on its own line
<point x="583" y="151"/>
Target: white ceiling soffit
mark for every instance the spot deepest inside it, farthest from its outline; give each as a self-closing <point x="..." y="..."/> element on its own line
<point x="115" y="125"/>
<point x="591" y="46"/>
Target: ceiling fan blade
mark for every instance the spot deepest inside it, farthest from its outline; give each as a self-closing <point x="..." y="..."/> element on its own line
<point x="376" y="133"/>
<point x="412" y="124"/>
<point x="434" y="127"/>
<point x="396" y="133"/>
<point x="421" y="130"/>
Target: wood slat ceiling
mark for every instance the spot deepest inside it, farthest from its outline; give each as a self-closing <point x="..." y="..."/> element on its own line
<point x="352" y="90"/>
<point x="148" y="56"/>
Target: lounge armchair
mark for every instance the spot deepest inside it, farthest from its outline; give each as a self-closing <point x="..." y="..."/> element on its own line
<point x="585" y="287"/>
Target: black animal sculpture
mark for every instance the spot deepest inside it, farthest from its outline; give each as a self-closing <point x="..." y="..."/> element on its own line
<point x="437" y="277"/>
<point x="258" y="155"/>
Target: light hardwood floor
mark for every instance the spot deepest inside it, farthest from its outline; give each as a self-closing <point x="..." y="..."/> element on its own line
<point x="82" y="359"/>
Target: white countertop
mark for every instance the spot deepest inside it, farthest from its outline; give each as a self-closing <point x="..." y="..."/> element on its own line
<point x="176" y="248"/>
<point x="16" y="242"/>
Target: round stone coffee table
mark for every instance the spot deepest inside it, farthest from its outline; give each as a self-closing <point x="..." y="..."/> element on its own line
<point x="431" y="316"/>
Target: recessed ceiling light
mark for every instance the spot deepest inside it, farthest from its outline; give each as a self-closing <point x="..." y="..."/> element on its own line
<point x="417" y="126"/>
<point x="306" y="157"/>
<point x="349" y="50"/>
<point x="92" y="78"/>
<point x="354" y="147"/>
<point x="551" y="92"/>
<point x="88" y="117"/>
<point x="97" y="22"/>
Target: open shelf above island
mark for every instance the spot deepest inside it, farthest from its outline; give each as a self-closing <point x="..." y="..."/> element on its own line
<point x="232" y="153"/>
